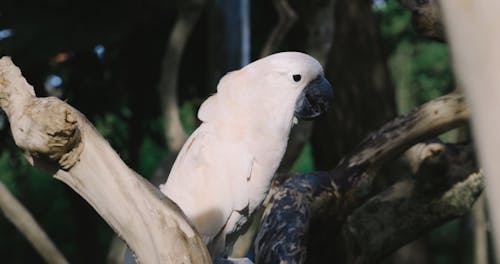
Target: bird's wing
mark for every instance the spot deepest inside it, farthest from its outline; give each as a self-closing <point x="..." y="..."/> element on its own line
<point x="209" y="179"/>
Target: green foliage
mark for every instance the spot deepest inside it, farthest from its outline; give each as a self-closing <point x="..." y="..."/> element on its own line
<point x="420" y="67"/>
<point x="444" y="241"/>
<point x="421" y="71"/>
<point x="7" y="175"/>
<point x="188" y="113"/>
<point x="46" y="200"/>
<point x="151" y="154"/>
<point x="304" y="162"/>
<point x="112" y="127"/>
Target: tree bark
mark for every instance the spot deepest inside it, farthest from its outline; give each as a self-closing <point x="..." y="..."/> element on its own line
<point x="426" y="18"/>
<point x="363" y="92"/>
<point x="60" y="141"/>
<point x="445" y="186"/>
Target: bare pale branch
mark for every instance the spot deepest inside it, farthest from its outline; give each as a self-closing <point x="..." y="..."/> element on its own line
<point x="61" y="141"/>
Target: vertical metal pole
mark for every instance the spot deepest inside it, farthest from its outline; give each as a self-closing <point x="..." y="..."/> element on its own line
<point x="236" y="32"/>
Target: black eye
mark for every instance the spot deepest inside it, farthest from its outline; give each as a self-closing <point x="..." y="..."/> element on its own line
<point x="297" y="77"/>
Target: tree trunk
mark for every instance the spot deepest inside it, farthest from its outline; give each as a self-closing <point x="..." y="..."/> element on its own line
<point x="363" y="92"/>
<point x="363" y="95"/>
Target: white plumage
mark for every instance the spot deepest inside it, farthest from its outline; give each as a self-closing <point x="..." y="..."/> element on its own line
<point x="224" y="169"/>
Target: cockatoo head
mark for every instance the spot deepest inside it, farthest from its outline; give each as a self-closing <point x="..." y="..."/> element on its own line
<point x="280" y="86"/>
<point x="296" y="76"/>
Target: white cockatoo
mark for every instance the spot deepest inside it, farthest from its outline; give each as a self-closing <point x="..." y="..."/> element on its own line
<point x="224" y="170"/>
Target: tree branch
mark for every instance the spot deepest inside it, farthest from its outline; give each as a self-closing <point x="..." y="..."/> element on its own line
<point x="116" y="251"/>
<point x="189" y="12"/>
<point x="444" y="187"/>
<point x="426" y="18"/>
<point x="287" y="18"/>
<point x="286" y="219"/>
<point x="61" y="141"/>
<point x="27" y="225"/>
<point x="175" y="135"/>
<point x="481" y="248"/>
<point x="354" y="174"/>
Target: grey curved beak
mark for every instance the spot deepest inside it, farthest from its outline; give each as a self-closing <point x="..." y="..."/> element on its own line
<point x="315" y="99"/>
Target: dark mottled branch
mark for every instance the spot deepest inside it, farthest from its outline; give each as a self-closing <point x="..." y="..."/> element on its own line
<point x="285" y="223"/>
<point x="426" y="18"/>
<point x="335" y="194"/>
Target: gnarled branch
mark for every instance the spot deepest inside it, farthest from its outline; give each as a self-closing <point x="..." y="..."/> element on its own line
<point x="445" y="186"/>
<point x="61" y="141"/>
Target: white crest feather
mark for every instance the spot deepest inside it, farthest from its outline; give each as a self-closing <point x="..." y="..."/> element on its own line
<point x="208" y="108"/>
